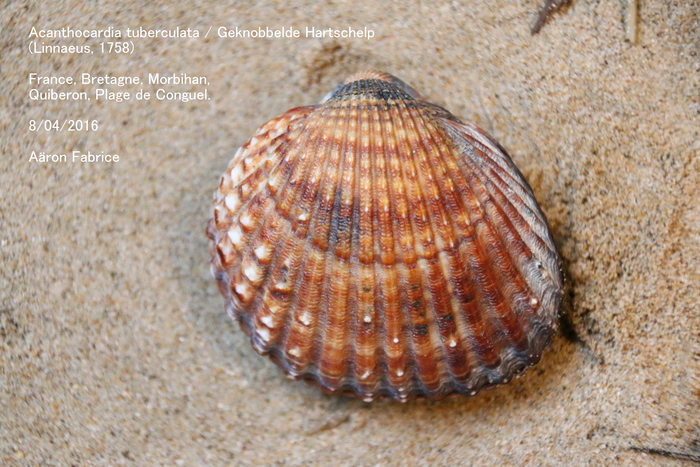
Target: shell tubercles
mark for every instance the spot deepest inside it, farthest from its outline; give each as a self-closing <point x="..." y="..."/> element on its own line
<point x="377" y="246"/>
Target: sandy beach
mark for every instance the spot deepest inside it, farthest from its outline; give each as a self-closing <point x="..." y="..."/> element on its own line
<point x="115" y="348"/>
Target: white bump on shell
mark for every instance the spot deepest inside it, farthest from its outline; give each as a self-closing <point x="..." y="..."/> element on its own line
<point x="241" y="289"/>
<point x="261" y="252"/>
<point x="278" y="131"/>
<point x="236" y="173"/>
<point x="252" y="272"/>
<point x="235" y="235"/>
<point x="246" y="220"/>
<point x="264" y="334"/>
<point x="231" y="202"/>
<point x="282" y="286"/>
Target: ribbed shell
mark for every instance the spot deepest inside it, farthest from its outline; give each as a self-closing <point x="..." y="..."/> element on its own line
<point x="379" y="247"/>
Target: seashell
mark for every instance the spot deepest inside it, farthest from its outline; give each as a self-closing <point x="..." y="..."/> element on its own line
<point x="379" y="247"/>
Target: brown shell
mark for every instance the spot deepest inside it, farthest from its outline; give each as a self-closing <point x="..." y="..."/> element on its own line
<point x="379" y="247"/>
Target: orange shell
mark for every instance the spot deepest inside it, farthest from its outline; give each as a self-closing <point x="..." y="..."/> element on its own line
<point x="379" y="247"/>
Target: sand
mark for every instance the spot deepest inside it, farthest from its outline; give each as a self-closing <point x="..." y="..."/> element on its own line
<point x="114" y="345"/>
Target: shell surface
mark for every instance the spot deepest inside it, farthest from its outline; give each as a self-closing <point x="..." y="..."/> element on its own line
<point x="376" y="245"/>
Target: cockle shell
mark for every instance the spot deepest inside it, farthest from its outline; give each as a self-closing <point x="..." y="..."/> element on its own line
<point x="376" y="245"/>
